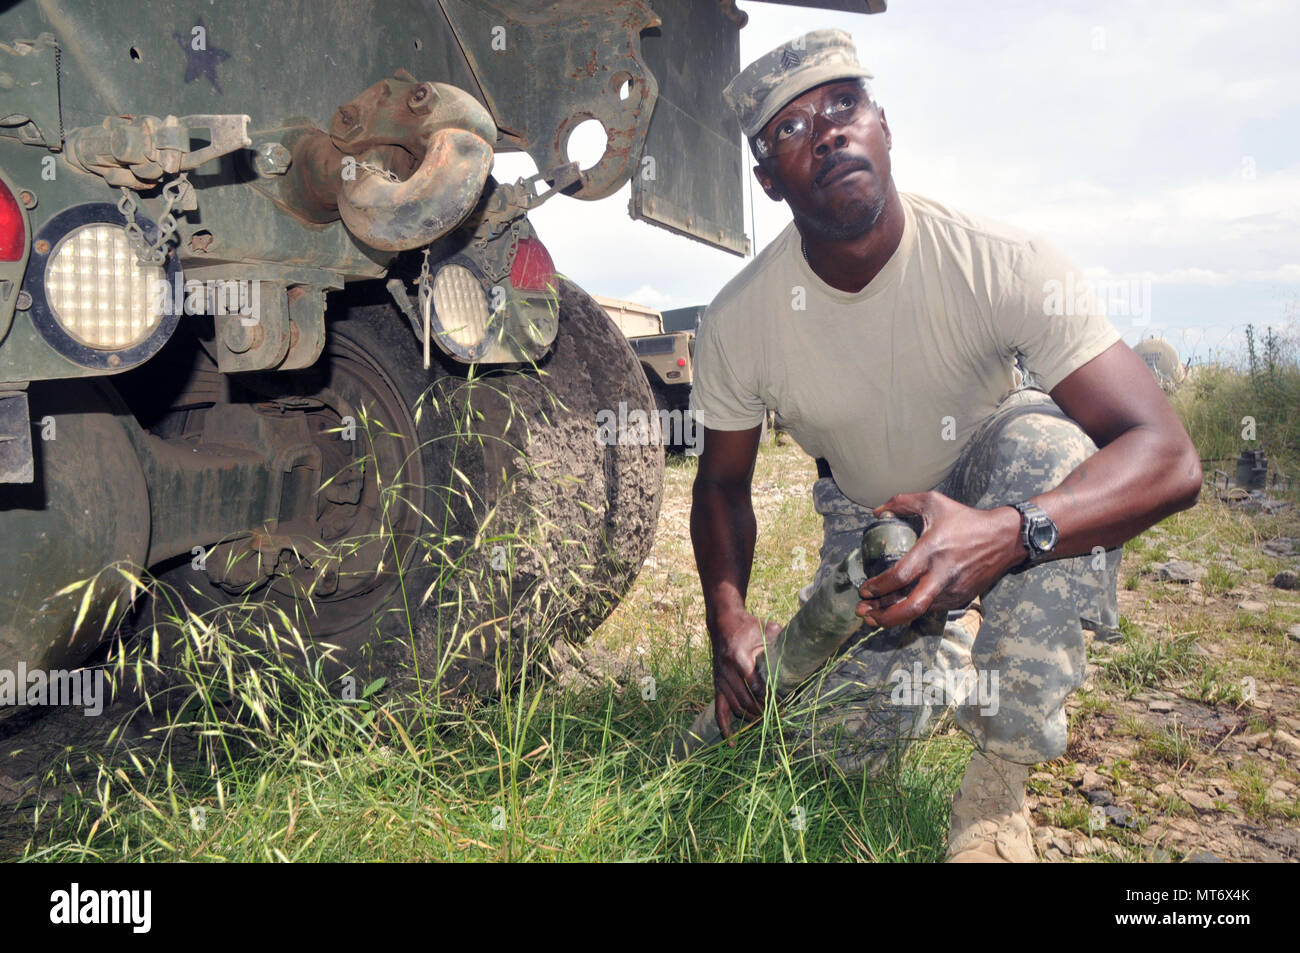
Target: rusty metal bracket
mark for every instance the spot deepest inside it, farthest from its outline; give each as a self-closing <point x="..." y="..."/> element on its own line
<point x="266" y="316"/>
<point x="504" y="208"/>
<point x="137" y="151"/>
<point x="506" y="202"/>
<point x="258" y="339"/>
<point x="397" y="290"/>
<point x="306" y="326"/>
<point x="546" y="66"/>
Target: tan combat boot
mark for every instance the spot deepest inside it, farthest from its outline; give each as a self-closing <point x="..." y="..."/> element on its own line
<point x="990" y="820"/>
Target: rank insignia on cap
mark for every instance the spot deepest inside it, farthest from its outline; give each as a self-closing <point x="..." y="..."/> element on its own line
<point x="783" y="73"/>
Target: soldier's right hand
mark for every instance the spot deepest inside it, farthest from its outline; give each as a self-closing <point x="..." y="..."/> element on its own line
<point x="738" y="642"/>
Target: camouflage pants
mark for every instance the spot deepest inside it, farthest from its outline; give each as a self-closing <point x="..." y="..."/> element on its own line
<point x="1007" y="686"/>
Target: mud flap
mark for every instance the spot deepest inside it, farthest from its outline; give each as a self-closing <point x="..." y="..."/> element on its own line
<point x="694" y="57"/>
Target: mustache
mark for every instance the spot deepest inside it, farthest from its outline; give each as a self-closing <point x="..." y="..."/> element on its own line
<point x="837" y="159"/>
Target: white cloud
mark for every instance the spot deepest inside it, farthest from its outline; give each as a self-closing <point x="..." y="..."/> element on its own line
<point x="1225" y="227"/>
<point x="651" y="297"/>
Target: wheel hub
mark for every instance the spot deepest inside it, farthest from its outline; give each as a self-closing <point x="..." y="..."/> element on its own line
<point x="343" y="523"/>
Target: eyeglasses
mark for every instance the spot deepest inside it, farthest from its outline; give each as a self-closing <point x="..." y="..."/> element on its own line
<point x="794" y="127"/>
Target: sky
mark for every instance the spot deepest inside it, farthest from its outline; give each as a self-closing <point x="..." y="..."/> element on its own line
<point x="1156" y="142"/>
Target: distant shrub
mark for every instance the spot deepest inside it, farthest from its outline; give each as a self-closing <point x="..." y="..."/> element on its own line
<point x="1264" y="386"/>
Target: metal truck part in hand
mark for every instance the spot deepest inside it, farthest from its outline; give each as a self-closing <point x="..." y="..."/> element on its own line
<point x="820" y="627"/>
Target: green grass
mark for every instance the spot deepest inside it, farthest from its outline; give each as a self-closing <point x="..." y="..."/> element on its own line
<point x="1122" y="770"/>
<point x="1092" y="703"/>
<point x="1144" y="662"/>
<point x="279" y="768"/>
<point x="1219" y="580"/>
<point x="1072" y="814"/>
<point x="1252" y="790"/>
<point x="1213" y="685"/>
<point x="1173" y="745"/>
<point x="1168" y="744"/>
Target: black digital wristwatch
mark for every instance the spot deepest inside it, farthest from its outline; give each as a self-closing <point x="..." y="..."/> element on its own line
<point x="1038" y="534"/>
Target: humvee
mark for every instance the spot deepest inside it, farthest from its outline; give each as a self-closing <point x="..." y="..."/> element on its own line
<point x="667" y="359"/>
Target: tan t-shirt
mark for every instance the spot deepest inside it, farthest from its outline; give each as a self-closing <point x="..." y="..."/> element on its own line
<point x="889" y="383"/>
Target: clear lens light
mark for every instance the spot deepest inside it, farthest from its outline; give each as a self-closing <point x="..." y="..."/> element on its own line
<point x="461" y="305"/>
<point x="99" y="291"/>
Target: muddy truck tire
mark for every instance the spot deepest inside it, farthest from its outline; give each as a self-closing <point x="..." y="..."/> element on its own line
<point x="513" y="523"/>
<point x="546" y="524"/>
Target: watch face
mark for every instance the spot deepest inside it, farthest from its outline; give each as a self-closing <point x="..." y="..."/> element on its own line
<point x="1043" y="535"/>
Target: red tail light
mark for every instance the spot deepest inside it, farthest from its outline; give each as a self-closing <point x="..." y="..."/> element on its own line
<point x="13" y="236"/>
<point x="533" y="269"/>
<point x="681" y="362"/>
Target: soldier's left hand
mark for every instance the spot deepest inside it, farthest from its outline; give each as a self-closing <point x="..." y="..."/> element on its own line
<point x="959" y="555"/>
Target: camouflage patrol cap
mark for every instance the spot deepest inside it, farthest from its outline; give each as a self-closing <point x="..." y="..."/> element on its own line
<point x="762" y="88"/>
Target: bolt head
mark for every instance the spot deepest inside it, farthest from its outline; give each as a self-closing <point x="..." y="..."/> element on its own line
<point x="422" y="99"/>
<point x="238" y="338"/>
<point x="272" y="158"/>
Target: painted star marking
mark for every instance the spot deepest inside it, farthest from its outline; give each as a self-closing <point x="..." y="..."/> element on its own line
<point x="202" y="62"/>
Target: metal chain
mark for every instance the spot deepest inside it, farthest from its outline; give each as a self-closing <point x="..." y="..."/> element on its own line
<point x="496" y="265"/>
<point x="378" y="170"/>
<point x="515" y="229"/>
<point x="127" y="205"/>
<point x="172" y="195"/>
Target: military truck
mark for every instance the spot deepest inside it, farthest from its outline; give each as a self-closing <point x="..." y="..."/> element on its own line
<point x="270" y="329"/>
<point x="666" y="357"/>
<point x="683" y="319"/>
